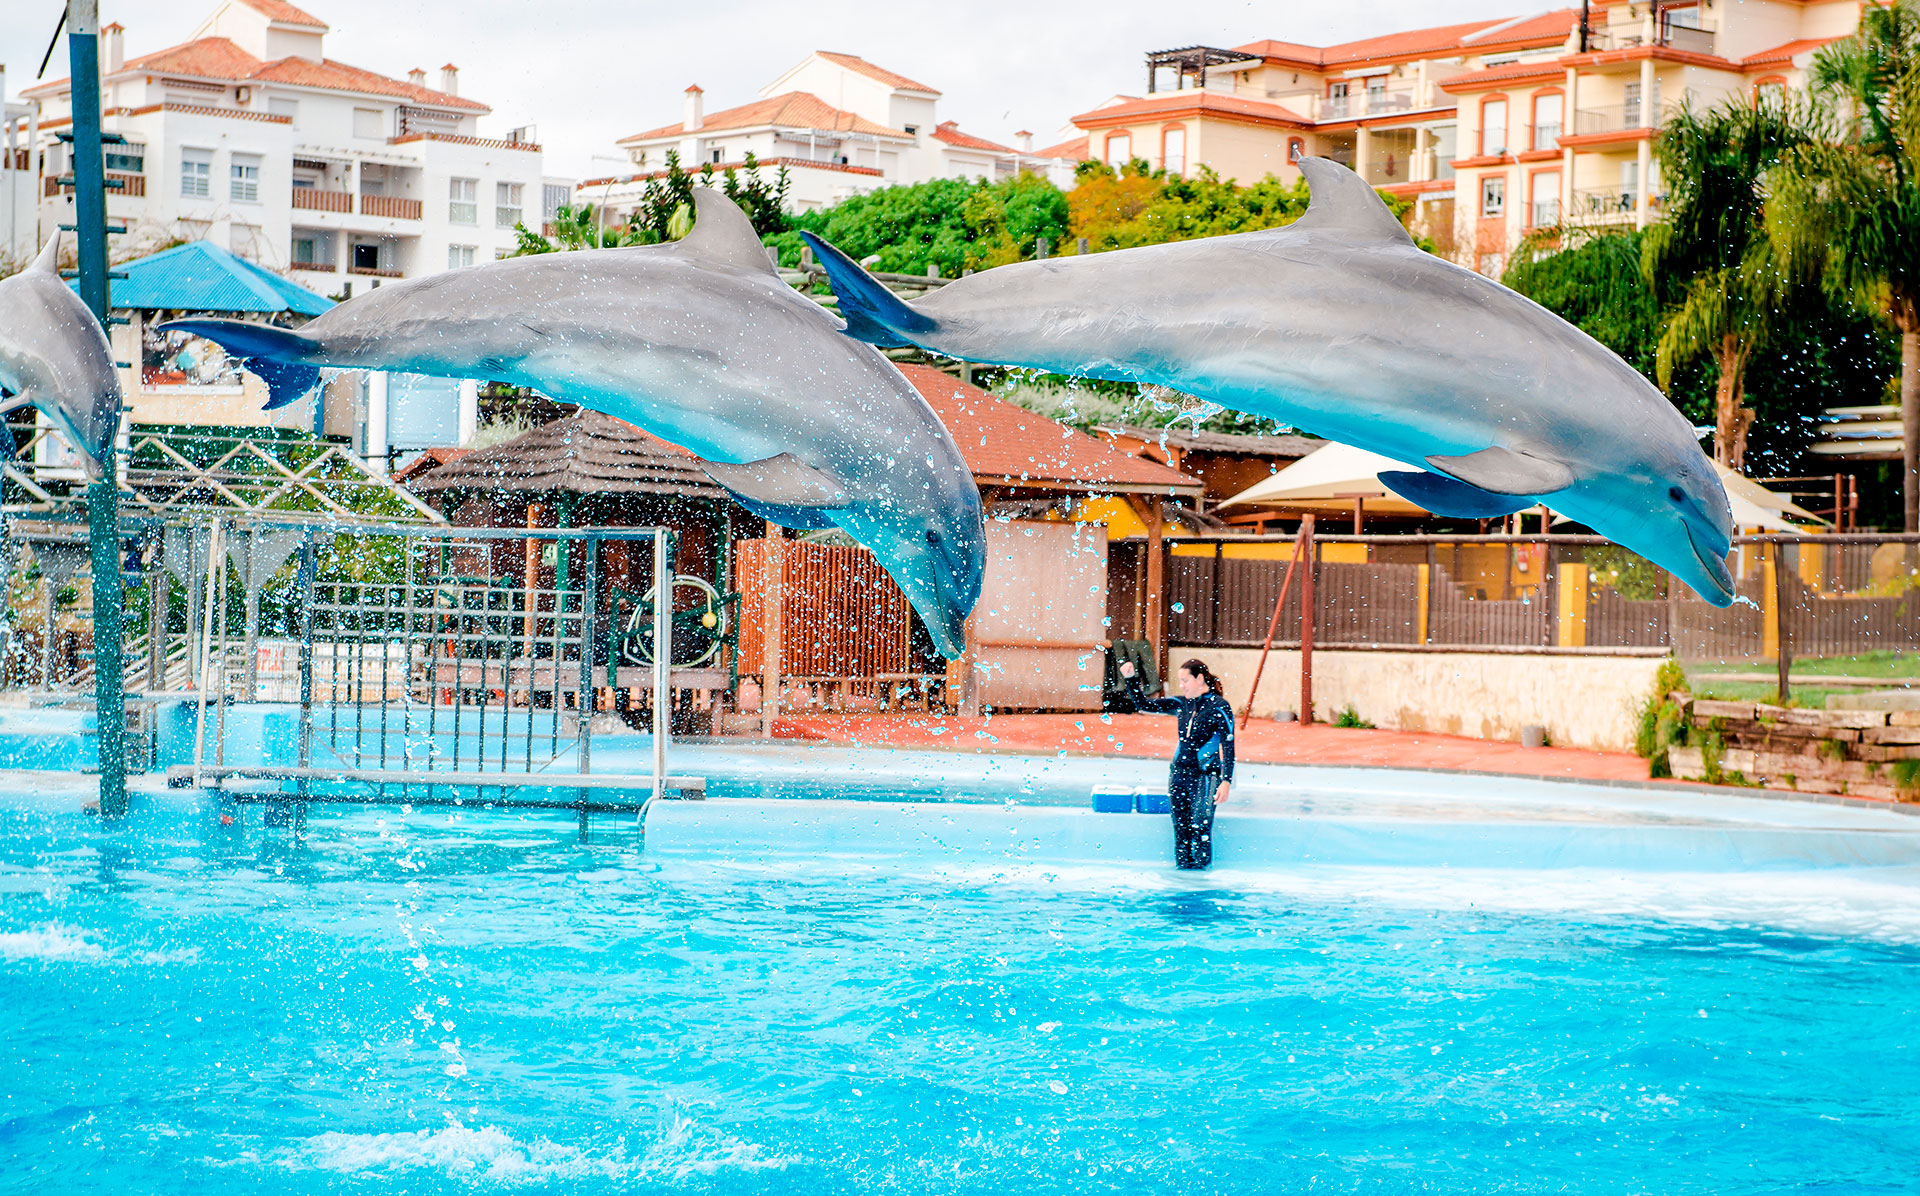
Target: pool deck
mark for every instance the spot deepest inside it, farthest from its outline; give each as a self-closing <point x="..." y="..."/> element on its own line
<point x="1262" y="742"/>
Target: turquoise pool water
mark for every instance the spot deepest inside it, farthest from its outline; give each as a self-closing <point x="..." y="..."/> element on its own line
<point x="1394" y="983"/>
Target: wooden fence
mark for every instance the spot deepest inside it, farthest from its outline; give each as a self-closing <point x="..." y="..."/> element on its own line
<point x="842" y="616"/>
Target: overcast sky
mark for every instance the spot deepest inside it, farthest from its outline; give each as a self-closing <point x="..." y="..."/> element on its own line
<point x="588" y="71"/>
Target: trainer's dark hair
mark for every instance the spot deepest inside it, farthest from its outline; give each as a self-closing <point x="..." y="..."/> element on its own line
<point x="1199" y="669"/>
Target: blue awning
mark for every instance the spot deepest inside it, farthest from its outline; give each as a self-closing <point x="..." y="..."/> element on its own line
<point x="202" y="277"/>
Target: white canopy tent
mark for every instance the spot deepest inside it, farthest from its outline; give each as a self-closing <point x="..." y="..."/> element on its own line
<point x="1335" y="479"/>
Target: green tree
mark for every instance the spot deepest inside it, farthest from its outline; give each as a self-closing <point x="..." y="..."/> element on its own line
<point x="1714" y="238"/>
<point x="1848" y="210"/>
<point x="1138" y="206"/>
<point x="952" y="224"/>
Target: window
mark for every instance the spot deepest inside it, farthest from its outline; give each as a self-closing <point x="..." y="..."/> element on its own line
<point x="1493" y="195"/>
<point x="287" y="108"/>
<point x="306" y="250"/>
<point x="1337" y="100"/>
<point x="463" y="201"/>
<point x="1493" y="127"/>
<point x="716" y="155"/>
<point x="1173" y="150"/>
<point x="458" y="256"/>
<point x="553" y="197"/>
<point x="1546" y="122"/>
<point x="1296" y="149"/>
<point x="243" y="174"/>
<point x="367" y="123"/>
<point x="196" y="174"/>
<point x="1119" y="149"/>
<point x="506" y="204"/>
<point x="1546" y="199"/>
<point x="127" y="159"/>
<point x="366" y="257"/>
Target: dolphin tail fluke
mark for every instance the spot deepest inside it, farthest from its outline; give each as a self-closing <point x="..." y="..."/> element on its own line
<point x="1449" y="498"/>
<point x="274" y="355"/>
<point x="872" y="312"/>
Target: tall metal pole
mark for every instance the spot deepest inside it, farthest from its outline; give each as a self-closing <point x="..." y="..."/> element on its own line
<point x="662" y="655"/>
<point x="103" y="496"/>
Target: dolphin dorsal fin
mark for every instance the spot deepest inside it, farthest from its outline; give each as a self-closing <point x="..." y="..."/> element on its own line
<point x="49" y="257"/>
<point x="723" y="235"/>
<point x="1342" y="202"/>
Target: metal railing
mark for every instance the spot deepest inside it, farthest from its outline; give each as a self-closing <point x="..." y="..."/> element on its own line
<point x="1616" y="118"/>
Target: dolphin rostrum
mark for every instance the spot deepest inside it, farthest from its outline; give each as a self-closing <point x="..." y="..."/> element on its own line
<point x="54" y="356"/>
<point x="1339" y="325"/>
<point x="700" y="343"/>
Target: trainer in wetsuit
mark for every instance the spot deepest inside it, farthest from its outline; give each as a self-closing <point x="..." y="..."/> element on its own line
<point x="1202" y="769"/>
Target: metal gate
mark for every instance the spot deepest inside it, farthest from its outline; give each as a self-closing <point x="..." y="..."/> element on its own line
<point x="431" y="665"/>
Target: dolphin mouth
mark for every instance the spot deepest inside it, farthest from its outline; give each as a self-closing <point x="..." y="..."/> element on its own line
<point x="1714" y="566"/>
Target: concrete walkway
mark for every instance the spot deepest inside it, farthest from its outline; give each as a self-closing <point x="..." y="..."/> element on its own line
<point x="1262" y="742"/>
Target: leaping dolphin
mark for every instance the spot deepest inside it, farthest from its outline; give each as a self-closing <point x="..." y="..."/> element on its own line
<point x="54" y="356"/>
<point x="700" y="343"/>
<point x="1338" y="324"/>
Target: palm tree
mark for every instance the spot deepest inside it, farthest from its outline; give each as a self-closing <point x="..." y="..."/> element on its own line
<point x="1848" y="210"/>
<point x="1714" y="243"/>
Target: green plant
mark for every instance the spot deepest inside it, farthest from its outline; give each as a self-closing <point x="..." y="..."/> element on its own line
<point x="1350" y="717"/>
<point x="1833" y="750"/>
<point x="1663" y="722"/>
<point x="1906" y="779"/>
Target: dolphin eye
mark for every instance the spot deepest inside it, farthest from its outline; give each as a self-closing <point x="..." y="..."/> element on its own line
<point x="933" y="537"/>
<point x="1676" y="494"/>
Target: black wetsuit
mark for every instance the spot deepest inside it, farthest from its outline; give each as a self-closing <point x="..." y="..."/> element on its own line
<point x="1203" y="759"/>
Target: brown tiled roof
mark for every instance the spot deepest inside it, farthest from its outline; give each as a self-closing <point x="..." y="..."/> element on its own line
<point x="219" y="58"/>
<point x="854" y="62"/>
<point x="1073" y="151"/>
<point x="1782" y="55"/>
<point x="949" y="132"/>
<point x="1007" y="444"/>
<point x="280" y="10"/>
<point x="1191" y="440"/>
<point x="723" y="167"/>
<point x="585" y="453"/>
<point x="1200" y="103"/>
<point x="1513" y="72"/>
<point x="1545" y="29"/>
<point x="792" y="109"/>
<point x="428" y="461"/>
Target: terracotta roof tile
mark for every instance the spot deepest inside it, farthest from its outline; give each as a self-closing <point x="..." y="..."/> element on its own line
<point x="1072" y="151"/>
<point x="949" y="132"/>
<point x="280" y="10"/>
<point x="1782" y="55"/>
<point x="1201" y="102"/>
<point x="1546" y="29"/>
<point x="1496" y="76"/>
<point x="854" y="62"/>
<point x="792" y="109"/>
<point x="1000" y="440"/>
<point x="219" y="58"/>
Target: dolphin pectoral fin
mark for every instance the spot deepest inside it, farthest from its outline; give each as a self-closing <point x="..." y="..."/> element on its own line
<point x="872" y="312"/>
<point x="1341" y="201"/>
<point x="782" y="481"/>
<point x="1504" y="471"/>
<point x="276" y="356"/>
<point x="810" y="519"/>
<point x="723" y="235"/>
<point x="1451" y="498"/>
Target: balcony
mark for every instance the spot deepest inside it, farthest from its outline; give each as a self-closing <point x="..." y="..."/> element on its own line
<point x="375" y="271"/>
<point x="1674" y="34"/>
<point x="1616" y="118"/>
<point x="313" y="199"/>
<point x="118" y="183"/>
<point x="1545" y="213"/>
<point x="1372" y="103"/>
<point x="1604" y="204"/>
<point x="392" y="207"/>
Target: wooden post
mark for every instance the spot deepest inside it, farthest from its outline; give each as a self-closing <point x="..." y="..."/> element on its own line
<point x="1154" y="630"/>
<point x="1783" y="612"/>
<point x="1359" y="512"/>
<point x="774" y="603"/>
<point x="1307" y="618"/>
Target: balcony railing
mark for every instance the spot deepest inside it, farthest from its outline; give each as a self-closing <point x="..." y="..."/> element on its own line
<point x="1545" y="213"/>
<point x="375" y="271"/>
<point x="1616" y="118"/>
<point x="1373" y="103"/>
<point x="1609" y="203"/>
<point x="313" y="199"/>
<point x="1695" y="39"/>
<point x="392" y="207"/>
<point x="118" y="183"/>
<point x="1546" y="137"/>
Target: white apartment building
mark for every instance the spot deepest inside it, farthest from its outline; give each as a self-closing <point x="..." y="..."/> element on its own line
<point x="249" y="135"/>
<point x="19" y="199"/>
<point x="839" y="124"/>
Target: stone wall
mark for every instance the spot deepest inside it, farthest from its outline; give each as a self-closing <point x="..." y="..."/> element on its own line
<point x="1583" y="701"/>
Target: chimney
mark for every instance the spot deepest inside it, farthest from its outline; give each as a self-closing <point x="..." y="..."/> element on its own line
<point x="417" y="76"/>
<point x="1023" y="141"/>
<point x="112" y="52"/>
<point x="694" y="109"/>
<point x="450" y="79"/>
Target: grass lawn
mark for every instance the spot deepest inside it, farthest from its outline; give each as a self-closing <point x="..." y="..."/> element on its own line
<point x="1894" y="666"/>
